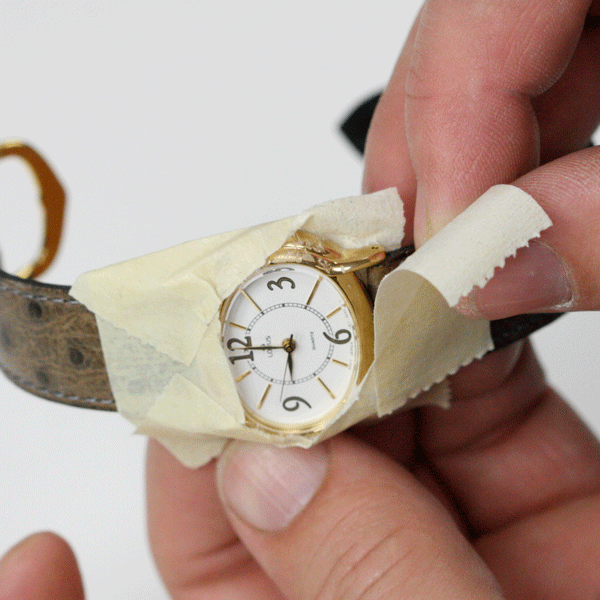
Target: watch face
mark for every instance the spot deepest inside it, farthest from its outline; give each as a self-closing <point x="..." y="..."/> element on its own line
<point x="290" y="338"/>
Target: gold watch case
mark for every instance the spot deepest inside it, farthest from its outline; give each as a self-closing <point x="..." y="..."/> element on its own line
<point x="339" y="265"/>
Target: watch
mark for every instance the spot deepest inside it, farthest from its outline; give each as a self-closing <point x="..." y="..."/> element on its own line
<point x="297" y="333"/>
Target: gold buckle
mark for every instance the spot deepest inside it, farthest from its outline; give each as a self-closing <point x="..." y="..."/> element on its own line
<point x="52" y="199"/>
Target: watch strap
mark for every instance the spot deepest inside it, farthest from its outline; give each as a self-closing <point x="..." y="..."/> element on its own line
<point x="49" y="344"/>
<point x="371" y="277"/>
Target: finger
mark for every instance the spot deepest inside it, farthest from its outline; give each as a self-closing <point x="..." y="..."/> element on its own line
<point x="475" y="68"/>
<point x="524" y="473"/>
<point x="393" y="435"/>
<point x="567" y="114"/>
<point x="561" y="271"/>
<point x="41" y="567"/>
<point x="195" y="549"/>
<point x="464" y="84"/>
<point x="509" y="451"/>
<point x="342" y="521"/>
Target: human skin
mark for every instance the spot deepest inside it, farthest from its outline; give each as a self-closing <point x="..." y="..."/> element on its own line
<point x="498" y="497"/>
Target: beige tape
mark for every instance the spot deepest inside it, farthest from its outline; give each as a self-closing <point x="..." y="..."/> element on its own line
<point x="158" y="316"/>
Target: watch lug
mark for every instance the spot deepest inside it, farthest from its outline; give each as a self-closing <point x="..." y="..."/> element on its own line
<point x="306" y="248"/>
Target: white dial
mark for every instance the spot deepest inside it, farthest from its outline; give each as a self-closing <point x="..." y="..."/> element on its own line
<point x="290" y="338"/>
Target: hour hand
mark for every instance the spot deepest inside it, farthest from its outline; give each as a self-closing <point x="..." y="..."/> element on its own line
<point x="262" y="348"/>
<point x="290" y="364"/>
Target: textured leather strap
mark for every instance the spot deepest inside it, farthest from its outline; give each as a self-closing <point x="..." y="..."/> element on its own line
<point x="49" y="344"/>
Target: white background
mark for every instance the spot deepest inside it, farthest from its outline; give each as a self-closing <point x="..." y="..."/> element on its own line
<point x="169" y="121"/>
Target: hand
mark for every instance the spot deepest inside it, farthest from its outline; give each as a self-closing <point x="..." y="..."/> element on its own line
<point x="41" y="567"/>
<point x="500" y="491"/>
<point x="499" y="496"/>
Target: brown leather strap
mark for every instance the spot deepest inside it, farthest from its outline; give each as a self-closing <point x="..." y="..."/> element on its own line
<point x="49" y="344"/>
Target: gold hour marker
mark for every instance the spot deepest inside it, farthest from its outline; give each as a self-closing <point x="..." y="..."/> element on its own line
<point x="339" y="362"/>
<point x="264" y="396"/>
<point x="314" y="290"/>
<point x="333" y="312"/>
<point x="242" y="376"/>
<point x="245" y="294"/>
<point x="236" y="325"/>
<point x="326" y="388"/>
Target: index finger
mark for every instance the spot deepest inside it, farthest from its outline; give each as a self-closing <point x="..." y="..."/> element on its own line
<point x="467" y="83"/>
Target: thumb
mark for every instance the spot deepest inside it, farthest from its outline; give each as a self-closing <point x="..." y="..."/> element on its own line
<point x="342" y="521"/>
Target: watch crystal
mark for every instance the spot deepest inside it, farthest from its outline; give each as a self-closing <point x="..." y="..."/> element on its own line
<point x="289" y="336"/>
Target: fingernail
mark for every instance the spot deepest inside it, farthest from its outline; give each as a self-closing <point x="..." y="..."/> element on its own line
<point x="268" y="487"/>
<point x="536" y="280"/>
